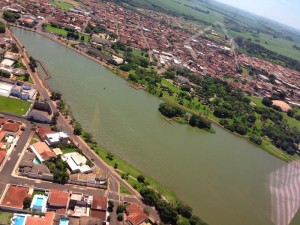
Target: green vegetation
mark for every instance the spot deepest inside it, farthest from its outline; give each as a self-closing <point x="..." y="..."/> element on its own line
<point x="62" y="4"/>
<point x="10" y="17"/>
<point x="59" y="169"/>
<point x="5" y="217"/>
<point x="15" y="106"/>
<point x="2" y="28"/>
<point x="52" y="28"/>
<point x="67" y="148"/>
<point x="26" y="202"/>
<point x="124" y="190"/>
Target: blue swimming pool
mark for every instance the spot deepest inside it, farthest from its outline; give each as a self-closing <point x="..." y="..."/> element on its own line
<point x="64" y="221"/>
<point x="36" y="161"/>
<point x="38" y="204"/>
<point x="19" y="220"/>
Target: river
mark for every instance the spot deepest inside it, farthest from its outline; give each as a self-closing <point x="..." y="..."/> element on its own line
<point x="223" y="177"/>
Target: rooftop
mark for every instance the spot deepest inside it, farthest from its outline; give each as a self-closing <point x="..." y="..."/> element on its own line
<point x="11" y="127"/>
<point x="58" y="198"/>
<point x="14" y="196"/>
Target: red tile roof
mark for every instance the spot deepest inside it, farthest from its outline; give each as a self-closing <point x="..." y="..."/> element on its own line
<point x="36" y="220"/>
<point x="98" y="214"/>
<point x="14" y="196"/>
<point x="43" y="131"/>
<point x="44" y="151"/>
<point x="2" y="134"/>
<point x="11" y="127"/>
<point x="135" y="214"/>
<point x="2" y="155"/>
<point x="2" y="121"/>
<point x="58" y="198"/>
<point x="99" y="203"/>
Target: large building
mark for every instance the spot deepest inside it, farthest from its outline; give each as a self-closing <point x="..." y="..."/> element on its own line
<point x="58" y="138"/>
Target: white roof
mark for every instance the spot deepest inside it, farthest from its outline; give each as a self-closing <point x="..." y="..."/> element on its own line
<point x="55" y="137"/>
<point x="76" y="161"/>
<point x="7" y="62"/>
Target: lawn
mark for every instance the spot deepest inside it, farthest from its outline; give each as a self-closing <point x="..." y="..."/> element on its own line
<point x="14" y="106"/>
<point x="5" y="217"/>
<point x="56" y="30"/>
<point x="63" y="32"/>
<point x="63" y="5"/>
<point x="68" y="150"/>
<point x="124" y="190"/>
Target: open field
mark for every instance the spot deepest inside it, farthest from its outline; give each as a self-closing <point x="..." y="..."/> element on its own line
<point x="66" y="5"/>
<point x="209" y="12"/>
<point x="63" y="32"/>
<point x="5" y="217"/>
<point x="14" y="106"/>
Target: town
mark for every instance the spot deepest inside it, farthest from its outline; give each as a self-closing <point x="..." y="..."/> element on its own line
<point x="49" y="169"/>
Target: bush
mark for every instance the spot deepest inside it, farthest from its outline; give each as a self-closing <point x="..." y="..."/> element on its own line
<point x="120" y="209"/>
<point x="26" y="202"/>
<point x="120" y="217"/>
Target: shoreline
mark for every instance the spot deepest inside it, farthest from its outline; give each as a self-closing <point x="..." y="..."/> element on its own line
<point x="166" y="192"/>
<point x="272" y="150"/>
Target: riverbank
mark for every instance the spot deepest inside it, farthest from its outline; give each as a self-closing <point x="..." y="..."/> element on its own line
<point x="102" y="152"/>
<point x="266" y="145"/>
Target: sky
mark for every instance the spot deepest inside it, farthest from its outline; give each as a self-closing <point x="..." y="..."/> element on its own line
<point x="283" y="11"/>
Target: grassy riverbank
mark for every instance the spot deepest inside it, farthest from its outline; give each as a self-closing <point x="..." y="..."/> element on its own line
<point x="130" y="173"/>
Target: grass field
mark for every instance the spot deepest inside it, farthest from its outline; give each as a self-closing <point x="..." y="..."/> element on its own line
<point x="64" y="5"/>
<point x="14" y="106"/>
<point x="5" y="217"/>
<point x="63" y="32"/>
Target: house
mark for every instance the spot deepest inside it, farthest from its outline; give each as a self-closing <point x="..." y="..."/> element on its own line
<point x="58" y="199"/>
<point x="99" y="207"/>
<point x="14" y="196"/>
<point x="7" y="63"/>
<point x="42" y="131"/>
<point x="97" y="178"/>
<point x="58" y="138"/>
<point x="76" y="162"/>
<point x="11" y="128"/>
<point x="48" y="219"/>
<point x="41" y="112"/>
<point x="135" y="214"/>
<point x="42" y="151"/>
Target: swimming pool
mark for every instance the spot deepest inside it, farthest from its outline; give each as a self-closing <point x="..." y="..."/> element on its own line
<point x="18" y="220"/>
<point x="36" y="161"/>
<point x="64" y="221"/>
<point x="39" y="203"/>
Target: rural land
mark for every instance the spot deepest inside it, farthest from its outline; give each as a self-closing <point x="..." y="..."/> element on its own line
<point x="210" y="65"/>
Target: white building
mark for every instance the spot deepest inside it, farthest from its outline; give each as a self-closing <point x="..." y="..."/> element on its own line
<point x="76" y="162"/>
<point x="58" y="138"/>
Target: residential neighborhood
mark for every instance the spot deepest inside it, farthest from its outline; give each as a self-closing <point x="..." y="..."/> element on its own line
<point x="55" y="172"/>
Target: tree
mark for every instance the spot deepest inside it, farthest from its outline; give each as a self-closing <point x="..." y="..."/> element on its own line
<point x="14" y="48"/>
<point x="26" y="202"/>
<point x="120" y="209"/>
<point x="111" y="205"/>
<point x="170" y="111"/>
<point x="150" y="197"/>
<point x="167" y="212"/>
<point x="141" y="178"/>
<point x="184" y="210"/>
<point x="26" y="77"/>
<point x="2" y="28"/>
<point x="77" y="129"/>
<point x="88" y="137"/>
<point x="267" y="102"/>
<point x="55" y="96"/>
<point x="54" y="118"/>
<point x="120" y="217"/>
<point x="195" y="220"/>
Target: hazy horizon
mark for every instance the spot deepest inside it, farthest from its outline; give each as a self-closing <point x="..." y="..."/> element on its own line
<point x="283" y="11"/>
